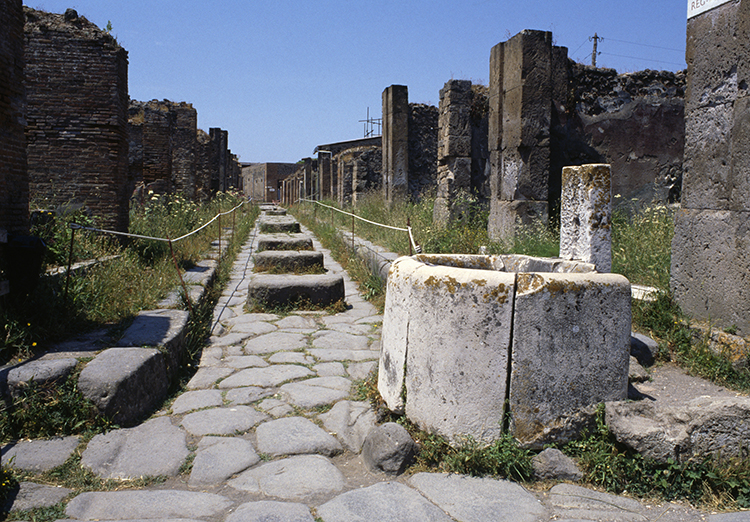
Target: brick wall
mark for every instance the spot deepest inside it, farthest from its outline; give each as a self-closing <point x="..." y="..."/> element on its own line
<point x="14" y="181"/>
<point x="77" y="102"/>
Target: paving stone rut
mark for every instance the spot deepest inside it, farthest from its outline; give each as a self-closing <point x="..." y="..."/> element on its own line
<point x="273" y="434"/>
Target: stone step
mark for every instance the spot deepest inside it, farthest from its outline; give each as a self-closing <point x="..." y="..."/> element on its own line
<point x="284" y="242"/>
<point x="288" y="260"/>
<point x="278" y="224"/>
<point x="270" y="290"/>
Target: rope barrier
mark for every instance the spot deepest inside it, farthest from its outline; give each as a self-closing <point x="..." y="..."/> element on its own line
<point x="408" y="229"/>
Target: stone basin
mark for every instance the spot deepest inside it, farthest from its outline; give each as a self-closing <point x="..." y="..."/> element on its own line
<point x="471" y="340"/>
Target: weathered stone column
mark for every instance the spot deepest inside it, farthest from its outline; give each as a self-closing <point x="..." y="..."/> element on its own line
<point x="454" y="149"/>
<point x="324" y="166"/>
<point x="586" y="215"/>
<point x="711" y="245"/>
<point x="519" y="131"/>
<point x="395" y="142"/>
<point x="184" y="143"/>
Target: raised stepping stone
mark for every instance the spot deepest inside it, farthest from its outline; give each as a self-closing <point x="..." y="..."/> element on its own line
<point x="166" y="328"/>
<point x="241" y="362"/>
<point x="154" y="448"/>
<point x="39" y="455"/>
<point x="41" y="372"/>
<point x="275" y="408"/>
<point x="340" y="341"/>
<point x="274" y="342"/>
<point x="383" y="501"/>
<point x="207" y="377"/>
<point x="350" y="422"/>
<point x="218" y="458"/>
<point x="247" y="395"/>
<point x="125" y="384"/>
<point x="472" y="499"/>
<point x="292" y="478"/>
<point x="269" y="511"/>
<point x="289" y="289"/>
<point x="288" y="260"/>
<point x="143" y="505"/>
<point x="195" y="400"/>
<point x="275" y="212"/>
<point x="278" y="224"/>
<point x="297" y="322"/>
<point x="291" y="358"/>
<point x="222" y="421"/>
<point x="320" y="391"/>
<point x="30" y="496"/>
<point x="284" y="242"/>
<point x="295" y="436"/>
<point x="265" y="377"/>
<point x="330" y="369"/>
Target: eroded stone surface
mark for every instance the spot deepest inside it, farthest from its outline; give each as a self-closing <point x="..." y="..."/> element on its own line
<point x="295" y="436"/>
<point x="222" y="421"/>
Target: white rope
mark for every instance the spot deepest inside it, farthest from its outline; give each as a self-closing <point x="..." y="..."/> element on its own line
<point x="76" y="226"/>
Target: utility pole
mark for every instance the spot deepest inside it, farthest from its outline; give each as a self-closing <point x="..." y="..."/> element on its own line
<point x="596" y="39"/>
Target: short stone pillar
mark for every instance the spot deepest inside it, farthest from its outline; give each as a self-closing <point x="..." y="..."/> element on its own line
<point x="395" y="142"/>
<point x="454" y="149"/>
<point x="586" y="215"/>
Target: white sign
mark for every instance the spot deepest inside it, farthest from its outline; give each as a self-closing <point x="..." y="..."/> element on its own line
<point x="696" y="7"/>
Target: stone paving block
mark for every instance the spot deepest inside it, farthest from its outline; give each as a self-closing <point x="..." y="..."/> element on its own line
<point x="293" y="478"/>
<point x="281" y="290"/>
<point x="350" y="422"/>
<point x="284" y="242"/>
<point x="383" y="501"/>
<point x="330" y="369"/>
<point x="288" y="260"/>
<point x="352" y="329"/>
<point x="291" y="358"/>
<point x="362" y="370"/>
<point x="165" y="328"/>
<point x="207" y="377"/>
<point x="249" y="319"/>
<point x="265" y="377"/>
<point x="326" y="355"/>
<point x="39" y="455"/>
<point x="30" y="495"/>
<point x="154" y="448"/>
<point x="295" y="436"/>
<point x="296" y="322"/>
<point x="315" y="392"/>
<point x="222" y="421"/>
<point x="253" y="328"/>
<point x="125" y="384"/>
<point x="245" y="361"/>
<point x="146" y="505"/>
<point x="274" y="342"/>
<point x="218" y="458"/>
<point x="230" y="339"/>
<point x="275" y="408"/>
<point x="334" y="340"/>
<point x="247" y="394"/>
<point x="195" y="400"/>
<point x="473" y="499"/>
<point x="41" y="372"/>
<point x="270" y="511"/>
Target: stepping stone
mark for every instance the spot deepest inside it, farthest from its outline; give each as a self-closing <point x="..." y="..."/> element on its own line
<point x="316" y="392"/>
<point x="274" y="342"/>
<point x="278" y="224"/>
<point x="265" y="377"/>
<point x="42" y="372"/>
<point x="330" y="369"/>
<point x="275" y="212"/>
<point x="284" y="242"/>
<point x="195" y="400"/>
<point x="350" y="422"/>
<point x="291" y="358"/>
<point x="472" y="499"/>
<point x="39" y="455"/>
<point x="165" y="328"/>
<point x="241" y="362"/>
<point x="326" y="354"/>
<point x="293" y="478"/>
<point x="125" y="384"/>
<point x="297" y="322"/>
<point x="288" y="289"/>
<point x="222" y="421"/>
<point x="332" y="340"/>
<point x="382" y="501"/>
<point x="207" y="377"/>
<point x="288" y="260"/>
<point x="154" y="448"/>
<point x="218" y="458"/>
<point x="275" y="408"/>
<point x="360" y="371"/>
<point x="143" y="505"/>
<point x="30" y="496"/>
<point x="269" y="511"/>
<point x="247" y="395"/>
<point x="295" y="436"/>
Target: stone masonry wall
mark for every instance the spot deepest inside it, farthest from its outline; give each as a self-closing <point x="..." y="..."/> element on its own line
<point x="203" y="166"/>
<point x="14" y="181"/>
<point x="423" y="140"/>
<point x="77" y="102"/>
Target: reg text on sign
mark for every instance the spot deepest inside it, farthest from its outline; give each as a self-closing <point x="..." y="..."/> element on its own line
<point x="696" y="7"/>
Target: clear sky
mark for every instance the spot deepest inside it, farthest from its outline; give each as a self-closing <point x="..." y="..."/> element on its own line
<point x="283" y="76"/>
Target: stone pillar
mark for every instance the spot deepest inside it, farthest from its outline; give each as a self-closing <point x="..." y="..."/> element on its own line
<point x="711" y="245"/>
<point x="519" y="131"/>
<point x="324" y="166"/>
<point x="14" y="179"/>
<point x="586" y="215"/>
<point x="454" y="149"/>
<point x="395" y="142"/>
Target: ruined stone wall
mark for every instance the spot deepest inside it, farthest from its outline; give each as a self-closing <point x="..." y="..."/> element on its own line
<point x="184" y="143"/>
<point x="77" y="102"/>
<point x="14" y="181"/>
<point x="203" y="166"/>
<point x="423" y="144"/>
<point x="366" y="172"/>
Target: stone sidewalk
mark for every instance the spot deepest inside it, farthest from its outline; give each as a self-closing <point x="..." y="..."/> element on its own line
<point x="269" y="430"/>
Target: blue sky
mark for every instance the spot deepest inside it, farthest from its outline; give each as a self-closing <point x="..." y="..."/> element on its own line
<point x="283" y="76"/>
